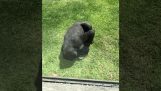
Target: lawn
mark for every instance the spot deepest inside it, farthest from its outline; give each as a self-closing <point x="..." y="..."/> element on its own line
<point x="102" y="61"/>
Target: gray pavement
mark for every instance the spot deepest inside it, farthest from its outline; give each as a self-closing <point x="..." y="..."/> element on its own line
<point x="75" y="87"/>
<point x="71" y="84"/>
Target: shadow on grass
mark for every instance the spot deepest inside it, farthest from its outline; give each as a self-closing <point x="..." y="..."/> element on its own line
<point x="64" y="63"/>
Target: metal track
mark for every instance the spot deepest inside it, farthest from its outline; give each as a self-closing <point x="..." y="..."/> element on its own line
<point x="88" y="82"/>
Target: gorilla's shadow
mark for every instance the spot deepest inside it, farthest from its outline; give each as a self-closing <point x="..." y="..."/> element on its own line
<point x="64" y="63"/>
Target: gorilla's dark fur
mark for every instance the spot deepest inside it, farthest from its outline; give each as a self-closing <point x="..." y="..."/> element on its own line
<point x="77" y="40"/>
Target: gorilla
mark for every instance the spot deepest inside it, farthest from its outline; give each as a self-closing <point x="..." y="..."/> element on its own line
<point x="77" y="40"/>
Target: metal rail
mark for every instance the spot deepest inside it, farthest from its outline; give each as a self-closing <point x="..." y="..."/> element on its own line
<point x="89" y="82"/>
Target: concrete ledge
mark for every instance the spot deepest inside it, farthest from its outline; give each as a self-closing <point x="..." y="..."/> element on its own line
<point x="73" y="84"/>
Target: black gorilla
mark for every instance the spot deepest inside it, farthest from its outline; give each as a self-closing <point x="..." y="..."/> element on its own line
<point x="77" y="40"/>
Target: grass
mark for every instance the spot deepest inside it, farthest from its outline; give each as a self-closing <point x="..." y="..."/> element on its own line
<point x="102" y="61"/>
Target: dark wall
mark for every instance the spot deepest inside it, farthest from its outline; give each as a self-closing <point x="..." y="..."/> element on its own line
<point x="140" y="45"/>
<point x="20" y="46"/>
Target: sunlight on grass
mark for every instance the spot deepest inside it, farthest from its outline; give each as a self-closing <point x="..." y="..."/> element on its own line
<point x="103" y="58"/>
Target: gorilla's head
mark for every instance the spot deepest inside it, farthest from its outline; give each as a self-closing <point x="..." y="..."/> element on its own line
<point x="86" y="26"/>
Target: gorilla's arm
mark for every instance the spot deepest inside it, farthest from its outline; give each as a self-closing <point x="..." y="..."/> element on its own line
<point x="90" y="35"/>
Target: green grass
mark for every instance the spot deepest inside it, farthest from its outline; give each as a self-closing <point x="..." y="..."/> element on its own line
<point x="102" y="61"/>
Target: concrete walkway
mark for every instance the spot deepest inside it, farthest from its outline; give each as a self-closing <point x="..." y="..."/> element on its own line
<point x="75" y="87"/>
<point x="64" y="85"/>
